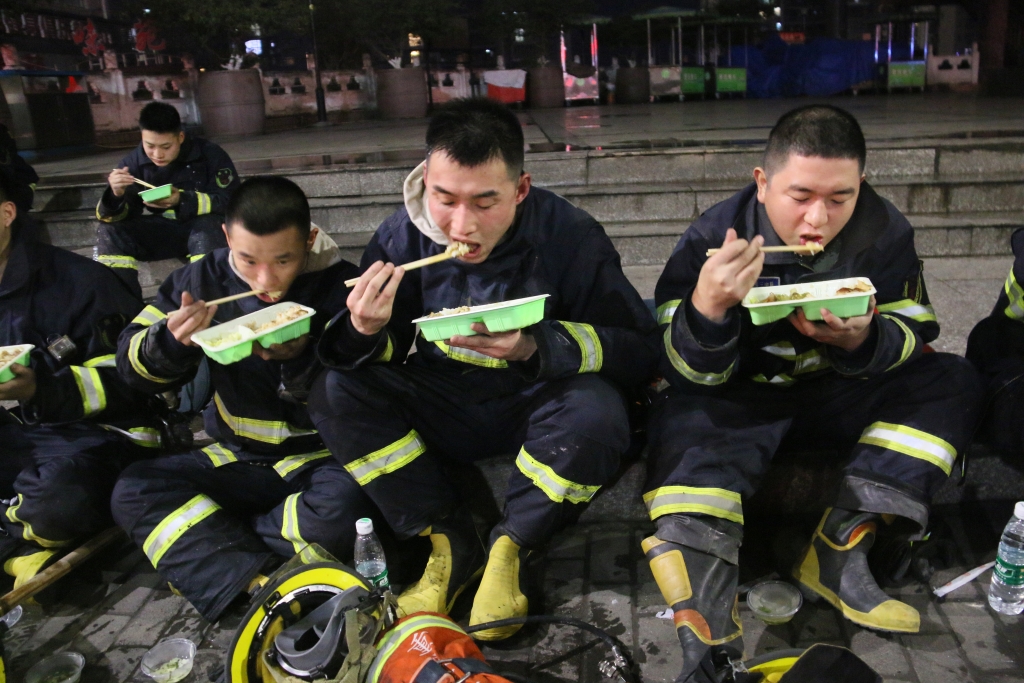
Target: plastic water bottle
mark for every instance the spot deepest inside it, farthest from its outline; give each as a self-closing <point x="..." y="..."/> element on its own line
<point x="1006" y="594"/>
<point x="370" y="561"/>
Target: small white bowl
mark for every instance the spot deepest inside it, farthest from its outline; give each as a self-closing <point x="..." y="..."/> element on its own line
<point x="774" y="602"/>
<point x="66" y="664"/>
<point x="169" y="660"/>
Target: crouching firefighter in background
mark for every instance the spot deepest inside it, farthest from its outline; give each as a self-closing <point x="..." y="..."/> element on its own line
<point x="210" y="520"/>
<point x="77" y="422"/>
<point x="738" y="389"/>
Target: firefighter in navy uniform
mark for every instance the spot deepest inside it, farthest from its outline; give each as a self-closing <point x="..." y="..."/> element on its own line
<point x="860" y="382"/>
<point x="188" y="223"/>
<point x="211" y="520"/>
<point x="77" y="423"/>
<point x="551" y="392"/>
<point x="996" y="347"/>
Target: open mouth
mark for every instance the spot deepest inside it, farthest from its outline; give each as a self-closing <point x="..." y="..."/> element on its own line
<point x="474" y="251"/>
<point x="810" y="239"/>
<point x="270" y="297"/>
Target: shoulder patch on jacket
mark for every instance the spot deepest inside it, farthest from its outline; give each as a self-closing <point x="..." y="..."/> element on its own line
<point x="224" y="177"/>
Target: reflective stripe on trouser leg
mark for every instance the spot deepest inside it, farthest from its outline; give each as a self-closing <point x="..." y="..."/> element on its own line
<point x="667" y="500"/>
<point x="290" y="527"/>
<point x="912" y="442"/>
<point x="388" y="459"/>
<point x="171" y="528"/>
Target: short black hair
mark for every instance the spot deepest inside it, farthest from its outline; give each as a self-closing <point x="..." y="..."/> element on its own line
<point x="265" y="205"/>
<point x="160" y="117"/>
<point x="475" y="131"/>
<point x="816" y="130"/>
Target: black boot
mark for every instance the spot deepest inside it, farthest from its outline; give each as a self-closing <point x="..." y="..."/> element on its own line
<point x="700" y="588"/>
<point x="835" y="566"/>
<point x="456" y="559"/>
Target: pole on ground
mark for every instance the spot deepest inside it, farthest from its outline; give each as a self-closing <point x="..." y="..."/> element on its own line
<point x="58" y="569"/>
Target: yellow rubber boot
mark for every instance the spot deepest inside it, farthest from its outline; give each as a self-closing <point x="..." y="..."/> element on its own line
<point x="24" y="567"/>
<point x="835" y="567"/>
<point x="456" y="560"/>
<point x="499" y="595"/>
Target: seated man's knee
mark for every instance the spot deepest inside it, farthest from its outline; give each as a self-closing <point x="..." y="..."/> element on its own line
<point x="591" y="406"/>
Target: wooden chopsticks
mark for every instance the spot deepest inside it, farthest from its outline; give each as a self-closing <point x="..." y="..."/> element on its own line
<point x="144" y="183"/>
<point x="453" y="250"/>
<point x="233" y="297"/>
<point x="809" y="248"/>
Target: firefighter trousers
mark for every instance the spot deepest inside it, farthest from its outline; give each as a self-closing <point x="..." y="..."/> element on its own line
<point x="123" y="244"/>
<point x="55" y="482"/>
<point x="392" y="428"/>
<point x="209" y="530"/>
<point x="906" y="428"/>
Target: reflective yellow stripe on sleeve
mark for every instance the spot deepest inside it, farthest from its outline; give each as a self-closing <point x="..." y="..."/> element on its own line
<point x="267" y="431"/>
<point x="203" y="204"/>
<point x="26" y="529"/>
<point x="286" y="466"/>
<point x="909" y="341"/>
<point x="590" y="345"/>
<point x="470" y="356"/>
<point x="390" y="643"/>
<point x="385" y="356"/>
<point x="174" y="525"/>
<point x="705" y="378"/>
<point x="107" y="361"/>
<point x="1014" y="292"/>
<point x="557" y="488"/>
<point x="219" y="455"/>
<point x="667" y="311"/>
<point x="119" y="216"/>
<point x="716" y="502"/>
<point x="150" y="315"/>
<point x="910" y="309"/>
<point x="192" y="258"/>
<point x="134" y="346"/>
<point x="912" y="442"/>
<point x="90" y="386"/>
<point x="388" y="459"/>
<point x="115" y="261"/>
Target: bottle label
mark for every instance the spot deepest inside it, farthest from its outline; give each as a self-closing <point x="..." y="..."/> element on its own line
<point x="1010" y="574"/>
<point x="381" y="580"/>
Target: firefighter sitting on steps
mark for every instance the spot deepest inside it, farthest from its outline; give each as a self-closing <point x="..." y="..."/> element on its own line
<point x="188" y="223"/>
<point x="77" y="423"/>
<point x="212" y="519"/>
<point x="738" y="389"/>
<point x="551" y="391"/>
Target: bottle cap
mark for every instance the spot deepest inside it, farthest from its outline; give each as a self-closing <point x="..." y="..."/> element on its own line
<point x="1018" y="510"/>
<point x="364" y="526"/>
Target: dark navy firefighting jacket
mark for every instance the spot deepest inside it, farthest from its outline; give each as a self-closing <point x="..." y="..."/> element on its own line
<point x="46" y="293"/>
<point x="877" y="243"/>
<point x="594" y="320"/>
<point x="203" y="172"/>
<point x="255" y="413"/>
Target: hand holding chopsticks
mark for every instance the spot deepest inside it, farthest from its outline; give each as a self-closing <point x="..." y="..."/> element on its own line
<point x="454" y="249"/>
<point x="809" y="248"/>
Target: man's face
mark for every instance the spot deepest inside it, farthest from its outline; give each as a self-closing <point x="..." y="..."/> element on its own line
<point x="269" y="262"/>
<point x="475" y="205"/>
<point x="810" y="199"/>
<point x="162" y="148"/>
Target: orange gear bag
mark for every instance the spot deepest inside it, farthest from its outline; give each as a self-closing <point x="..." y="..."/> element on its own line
<point x="427" y="647"/>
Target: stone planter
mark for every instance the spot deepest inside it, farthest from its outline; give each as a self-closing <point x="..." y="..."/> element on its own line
<point x="231" y="102"/>
<point x="545" y="88"/>
<point x="633" y="85"/>
<point x="402" y="93"/>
